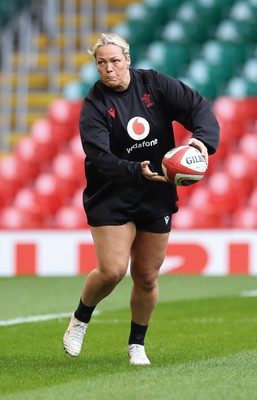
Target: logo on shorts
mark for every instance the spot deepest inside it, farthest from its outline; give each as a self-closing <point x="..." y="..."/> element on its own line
<point x="138" y="128"/>
<point x="166" y="219"/>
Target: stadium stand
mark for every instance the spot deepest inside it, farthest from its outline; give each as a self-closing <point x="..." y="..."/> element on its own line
<point x="207" y="44"/>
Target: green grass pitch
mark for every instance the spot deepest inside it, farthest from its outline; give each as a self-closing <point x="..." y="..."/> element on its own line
<point x="202" y="342"/>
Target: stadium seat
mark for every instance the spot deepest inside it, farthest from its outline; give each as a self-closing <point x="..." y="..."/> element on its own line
<point x="222" y="194"/>
<point x="241" y="13"/>
<point x="169" y="58"/>
<point x="76" y="200"/>
<point x="241" y="87"/>
<point x="140" y="24"/>
<point x="181" y="133"/>
<point x="74" y="90"/>
<point x="233" y="114"/>
<point x="76" y="151"/>
<point x="252" y="199"/>
<point x="241" y="172"/>
<point x="184" y="194"/>
<point x="181" y="31"/>
<point x="64" y="118"/>
<point x="68" y="167"/>
<point x="68" y="172"/>
<point x="27" y="159"/>
<point x="47" y="194"/>
<point x="248" y="147"/>
<point x="14" y="218"/>
<point x="225" y="55"/>
<point x="199" y="198"/>
<point x="205" y="78"/>
<point x="10" y="179"/>
<point x="70" y="217"/>
<point x="45" y="145"/>
<point x="89" y="73"/>
<point x="245" y="218"/>
<point x="184" y="219"/>
<point x="249" y="70"/>
<point x="25" y="201"/>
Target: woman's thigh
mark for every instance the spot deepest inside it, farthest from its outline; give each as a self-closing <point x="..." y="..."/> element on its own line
<point x="113" y="245"/>
<point x="148" y="253"/>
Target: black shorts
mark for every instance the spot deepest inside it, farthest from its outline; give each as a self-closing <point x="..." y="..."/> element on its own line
<point x="157" y="225"/>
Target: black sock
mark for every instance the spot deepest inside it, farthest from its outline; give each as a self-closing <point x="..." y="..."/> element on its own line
<point x="137" y="333"/>
<point x="83" y="312"/>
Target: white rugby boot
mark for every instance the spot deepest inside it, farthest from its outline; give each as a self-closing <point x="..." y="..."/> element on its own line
<point x="74" y="335"/>
<point x="137" y="355"/>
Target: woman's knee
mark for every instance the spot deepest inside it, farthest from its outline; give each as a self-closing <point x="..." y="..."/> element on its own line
<point x="112" y="275"/>
<point x="146" y="281"/>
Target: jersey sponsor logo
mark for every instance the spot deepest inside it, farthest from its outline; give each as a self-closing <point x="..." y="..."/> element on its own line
<point x="145" y="143"/>
<point x="138" y="128"/>
<point x="147" y="99"/>
<point x="111" y="111"/>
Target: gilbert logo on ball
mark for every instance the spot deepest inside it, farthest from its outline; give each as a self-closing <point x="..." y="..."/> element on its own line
<point x="184" y="165"/>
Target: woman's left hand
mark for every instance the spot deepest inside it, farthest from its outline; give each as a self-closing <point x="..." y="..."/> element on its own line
<point x="200" y="146"/>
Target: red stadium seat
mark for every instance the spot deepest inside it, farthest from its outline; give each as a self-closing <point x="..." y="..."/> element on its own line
<point x="69" y="217"/>
<point x="75" y="148"/>
<point x="68" y="173"/>
<point x="27" y="157"/>
<point x="199" y="198"/>
<point x="248" y="147"/>
<point x="185" y="192"/>
<point x="245" y="218"/>
<point x="184" y="219"/>
<point x="222" y="194"/>
<point x="42" y="137"/>
<point x="76" y="200"/>
<point x="10" y="178"/>
<point x="15" y="218"/>
<point x="47" y="194"/>
<point x="64" y="118"/>
<point x="25" y="201"/>
<point x="241" y="173"/>
<point x="181" y="134"/>
<point x="252" y="200"/>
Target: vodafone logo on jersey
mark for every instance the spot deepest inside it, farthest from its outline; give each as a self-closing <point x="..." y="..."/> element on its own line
<point x="138" y="128"/>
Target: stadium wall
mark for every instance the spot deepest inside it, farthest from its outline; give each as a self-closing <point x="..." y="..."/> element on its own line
<point x="64" y="253"/>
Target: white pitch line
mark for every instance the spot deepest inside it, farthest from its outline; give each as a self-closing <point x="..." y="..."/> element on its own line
<point x="37" y="318"/>
<point x="249" y="293"/>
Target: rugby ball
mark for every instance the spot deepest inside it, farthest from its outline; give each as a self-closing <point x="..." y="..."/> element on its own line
<point x="184" y="165"/>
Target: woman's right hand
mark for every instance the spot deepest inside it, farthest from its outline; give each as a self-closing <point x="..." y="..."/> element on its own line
<point x="148" y="174"/>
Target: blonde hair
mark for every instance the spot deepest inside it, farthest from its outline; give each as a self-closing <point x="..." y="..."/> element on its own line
<point x="110" y="38"/>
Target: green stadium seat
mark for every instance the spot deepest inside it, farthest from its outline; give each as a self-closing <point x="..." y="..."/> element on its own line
<point x="227" y="55"/>
<point x="170" y="58"/>
<point x="74" y="90"/>
<point x="216" y="50"/>
<point x="161" y="10"/>
<point x="140" y="24"/>
<point x="238" y="31"/>
<point x="212" y="10"/>
<point x="185" y="32"/>
<point x="228" y="30"/>
<point x="89" y="73"/>
<point x="240" y="87"/>
<point x="249" y="70"/>
<point x="202" y="71"/>
<point x="145" y="20"/>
